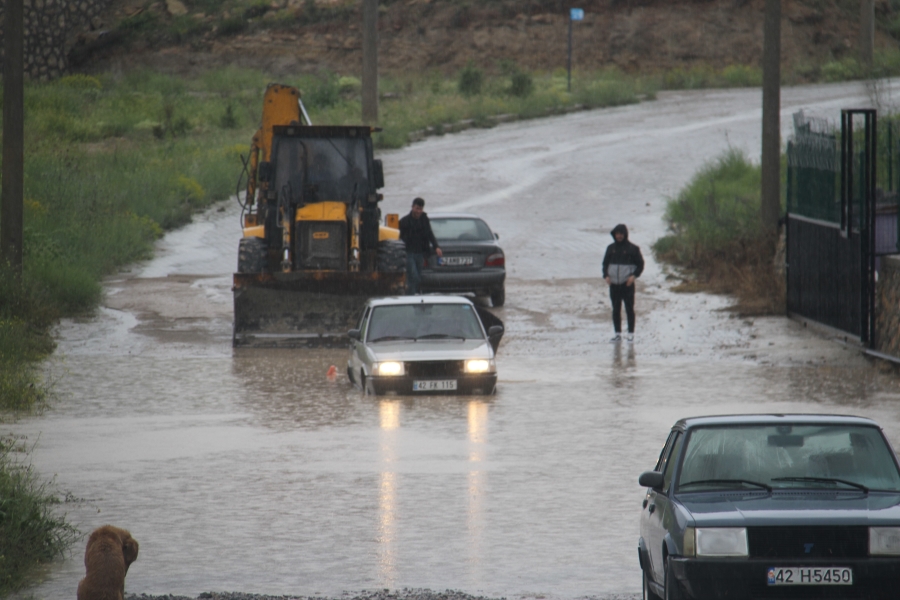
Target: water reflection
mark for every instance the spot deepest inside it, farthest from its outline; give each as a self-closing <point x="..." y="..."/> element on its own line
<point x="623" y="376"/>
<point x="478" y="424"/>
<point x="389" y="419"/>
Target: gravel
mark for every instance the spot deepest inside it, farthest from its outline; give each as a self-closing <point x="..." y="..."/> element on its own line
<point x="403" y="594"/>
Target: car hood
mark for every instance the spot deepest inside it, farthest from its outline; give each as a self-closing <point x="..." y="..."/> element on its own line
<point x="797" y="507"/>
<point x="421" y="350"/>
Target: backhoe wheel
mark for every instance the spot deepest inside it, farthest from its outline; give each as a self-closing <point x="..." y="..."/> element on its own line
<point x="391" y="257"/>
<point x="251" y="255"/>
<point x="498" y="296"/>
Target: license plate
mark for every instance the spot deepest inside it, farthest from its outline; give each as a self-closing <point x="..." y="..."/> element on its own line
<point x="458" y="261"/>
<point x="434" y="385"/>
<point x="810" y="576"/>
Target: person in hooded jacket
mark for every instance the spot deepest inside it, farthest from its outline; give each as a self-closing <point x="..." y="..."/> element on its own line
<point x="622" y="264"/>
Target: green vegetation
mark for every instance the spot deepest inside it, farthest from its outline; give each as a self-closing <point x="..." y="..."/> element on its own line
<point x="31" y="533"/>
<point x="717" y="236"/>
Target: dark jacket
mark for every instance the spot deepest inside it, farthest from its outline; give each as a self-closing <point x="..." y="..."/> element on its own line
<point x="623" y="259"/>
<point x="417" y="234"/>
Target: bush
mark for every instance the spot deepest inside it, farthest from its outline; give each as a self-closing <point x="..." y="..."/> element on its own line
<point x="31" y="534"/>
<point x="471" y="80"/>
<point x="521" y="84"/>
<point x="717" y="234"/>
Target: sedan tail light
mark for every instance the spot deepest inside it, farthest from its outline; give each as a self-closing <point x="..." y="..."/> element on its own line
<point x="495" y="260"/>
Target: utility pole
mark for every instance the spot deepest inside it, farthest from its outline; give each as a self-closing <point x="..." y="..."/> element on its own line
<point x="11" y="225"/>
<point x="770" y="205"/>
<point x="370" y="62"/>
<point x="866" y="32"/>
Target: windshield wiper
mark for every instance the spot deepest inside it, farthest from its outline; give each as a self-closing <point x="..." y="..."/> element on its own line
<point x="391" y="338"/>
<point x="768" y="488"/>
<point x="440" y="336"/>
<point x="824" y="480"/>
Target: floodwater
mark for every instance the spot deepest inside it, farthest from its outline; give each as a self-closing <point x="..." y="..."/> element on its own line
<point x="248" y="470"/>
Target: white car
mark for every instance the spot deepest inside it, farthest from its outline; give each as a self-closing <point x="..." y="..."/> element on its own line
<point x="424" y="344"/>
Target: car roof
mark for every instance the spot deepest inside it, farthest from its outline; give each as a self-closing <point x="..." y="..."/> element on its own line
<point x="453" y="215"/>
<point x="421" y="299"/>
<point x="773" y="419"/>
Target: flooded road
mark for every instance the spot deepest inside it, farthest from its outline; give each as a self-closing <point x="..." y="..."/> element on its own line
<point x="249" y="470"/>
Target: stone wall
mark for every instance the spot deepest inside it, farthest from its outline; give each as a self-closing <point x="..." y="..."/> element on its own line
<point x="49" y="28"/>
<point x="887" y="307"/>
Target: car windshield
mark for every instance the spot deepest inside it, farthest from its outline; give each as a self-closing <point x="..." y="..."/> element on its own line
<point x="828" y="456"/>
<point x="424" y="321"/>
<point x="460" y="230"/>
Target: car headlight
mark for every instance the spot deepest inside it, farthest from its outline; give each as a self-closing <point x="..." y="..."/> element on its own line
<point x="479" y="365"/>
<point x="388" y="368"/>
<point x="721" y="541"/>
<point x="884" y="541"/>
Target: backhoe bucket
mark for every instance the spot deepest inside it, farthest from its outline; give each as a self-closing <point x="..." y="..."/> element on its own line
<point x="304" y="309"/>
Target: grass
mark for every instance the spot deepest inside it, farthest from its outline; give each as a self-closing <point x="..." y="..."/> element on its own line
<point x="717" y="237"/>
<point x="31" y="531"/>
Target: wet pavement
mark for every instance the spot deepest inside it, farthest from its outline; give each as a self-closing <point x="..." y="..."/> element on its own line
<point x="249" y="470"/>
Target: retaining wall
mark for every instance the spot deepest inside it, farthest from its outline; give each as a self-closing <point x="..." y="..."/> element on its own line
<point x="887" y="307"/>
<point x="49" y="25"/>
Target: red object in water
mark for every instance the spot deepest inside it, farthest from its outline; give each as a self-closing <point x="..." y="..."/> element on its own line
<point x="332" y="373"/>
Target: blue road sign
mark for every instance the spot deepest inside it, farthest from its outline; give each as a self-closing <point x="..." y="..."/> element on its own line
<point x="576" y="14"/>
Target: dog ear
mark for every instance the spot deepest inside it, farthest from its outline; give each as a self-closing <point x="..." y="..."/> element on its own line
<point x="129" y="550"/>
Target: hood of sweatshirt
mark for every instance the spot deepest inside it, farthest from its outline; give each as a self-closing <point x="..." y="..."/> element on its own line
<point x="620" y="228"/>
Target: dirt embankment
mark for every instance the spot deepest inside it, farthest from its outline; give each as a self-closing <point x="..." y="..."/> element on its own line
<point x="421" y="35"/>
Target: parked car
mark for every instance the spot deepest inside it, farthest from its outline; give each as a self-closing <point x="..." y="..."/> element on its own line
<point x="772" y="506"/>
<point x="473" y="261"/>
<point x="424" y="344"/>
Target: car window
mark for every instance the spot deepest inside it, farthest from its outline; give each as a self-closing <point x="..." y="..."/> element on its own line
<point x="671" y="461"/>
<point x="418" y="321"/>
<point x="789" y="456"/>
<point x="664" y="453"/>
<point x="363" y="321"/>
<point x="456" y="229"/>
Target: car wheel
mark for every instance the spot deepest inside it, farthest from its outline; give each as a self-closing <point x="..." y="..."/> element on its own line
<point x="673" y="589"/>
<point x="648" y="593"/>
<point x="350" y="374"/>
<point x="498" y="297"/>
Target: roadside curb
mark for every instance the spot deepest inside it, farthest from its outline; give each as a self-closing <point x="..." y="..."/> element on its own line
<point x="490" y="122"/>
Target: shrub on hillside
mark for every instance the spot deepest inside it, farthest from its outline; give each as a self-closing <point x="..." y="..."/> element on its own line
<point x="471" y="80"/>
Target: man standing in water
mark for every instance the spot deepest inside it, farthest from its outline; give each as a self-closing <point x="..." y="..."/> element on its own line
<point x="622" y="264"/>
<point x="415" y="231"/>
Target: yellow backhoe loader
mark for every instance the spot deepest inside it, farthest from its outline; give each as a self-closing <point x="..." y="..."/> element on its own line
<point x="313" y="248"/>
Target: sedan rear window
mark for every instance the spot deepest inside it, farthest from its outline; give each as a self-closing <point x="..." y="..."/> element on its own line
<point x="841" y="457"/>
<point x="459" y="230"/>
<point x="424" y="321"/>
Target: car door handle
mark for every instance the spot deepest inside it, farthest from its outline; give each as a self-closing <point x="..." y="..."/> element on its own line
<point x="652" y="508"/>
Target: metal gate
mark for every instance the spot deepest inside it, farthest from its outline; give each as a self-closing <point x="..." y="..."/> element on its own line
<point x="831" y="222"/>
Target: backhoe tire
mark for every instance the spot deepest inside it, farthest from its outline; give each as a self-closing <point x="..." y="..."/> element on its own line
<point x="251" y="255"/>
<point x="498" y="297"/>
<point x="391" y="257"/>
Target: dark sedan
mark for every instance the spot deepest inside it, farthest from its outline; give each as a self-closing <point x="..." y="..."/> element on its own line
<point x="772" y="506"/>
<point x="473" y="261"/>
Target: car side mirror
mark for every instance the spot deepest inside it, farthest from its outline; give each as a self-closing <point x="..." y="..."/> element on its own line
<point x="495" y="330"/>
<point x="496" y="236"/>
<point x="651" y="479"/>
<point x="354" y="334"/>
<point x="378" y="173"/>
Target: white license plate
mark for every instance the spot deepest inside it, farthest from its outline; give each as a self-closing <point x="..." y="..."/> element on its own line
<point x="435" y="385"/>
<point x="458" y="261"/>
<point x="810" y="576"/>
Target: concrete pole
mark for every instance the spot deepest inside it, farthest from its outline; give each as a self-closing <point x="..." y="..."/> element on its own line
<point x="370" y="62"/>
<point x="11" y="211"/>
<point x="866" y="32"/>
<point x="770" y="206"/>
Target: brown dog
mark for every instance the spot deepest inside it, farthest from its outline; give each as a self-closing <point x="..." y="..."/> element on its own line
<point x="110" y="550"/>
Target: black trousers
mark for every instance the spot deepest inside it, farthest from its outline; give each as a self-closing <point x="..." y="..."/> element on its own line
<point x="619" y="293"/>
